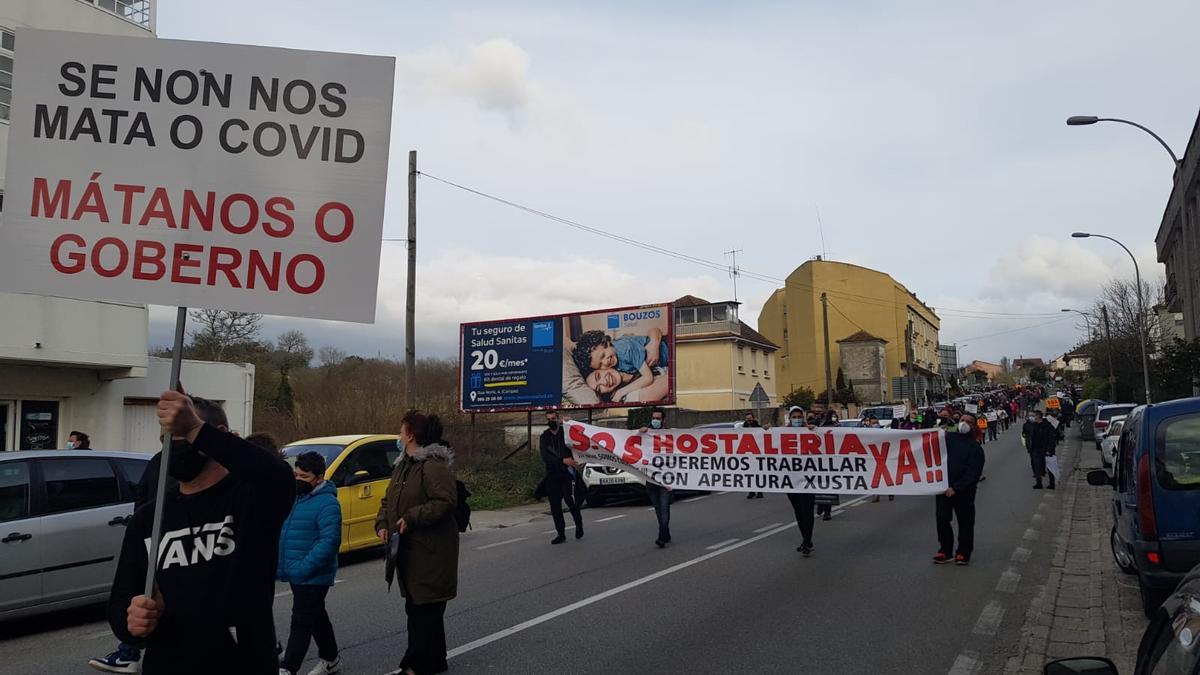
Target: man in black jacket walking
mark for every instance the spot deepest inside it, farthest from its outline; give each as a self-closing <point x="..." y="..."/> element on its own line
<point x="751" y="422"/>
<point x="215" y="580"/>
<point x="964" y="464"/>
<point x="560" y="479"/>
<point x="1040" y="439"/>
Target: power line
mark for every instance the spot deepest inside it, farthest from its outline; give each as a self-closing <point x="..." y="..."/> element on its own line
<point x="684" y="257"/>
<point x="1014" y="330"/>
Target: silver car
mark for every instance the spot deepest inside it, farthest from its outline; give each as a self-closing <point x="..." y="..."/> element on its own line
<point x="62" y="519"/>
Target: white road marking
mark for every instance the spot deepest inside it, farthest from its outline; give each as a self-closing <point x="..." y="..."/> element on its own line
<point x="967" y="663"/>
<point x="569" y="527"/>
<point x="701" y="497"/>
<point x="550" y="616"/>
<point x="101" y="634"/>
<point x="989" y="619"/>
<point x="605" y="520"/>
<point x="1021" y="554"/>
<point x="725" y="492"/>
<point x="1008" y="581"/>
<point x="722" y="544"/>
<point x="764" y="529"/>
<point x="1037" y="517"/>
<point x="506" y="542"/>
<point x="1030" y="534"/>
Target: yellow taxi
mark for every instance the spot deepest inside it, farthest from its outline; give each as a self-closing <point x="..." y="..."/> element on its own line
<point x="360" y="466"/>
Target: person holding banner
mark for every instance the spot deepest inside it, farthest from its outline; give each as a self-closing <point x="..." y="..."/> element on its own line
<point x="964" y="465"/>
<point x="803" y="504"/>
<point x="216" y="568"/>
<point x="559" y="481"/>
<point x="751" y="422"/>
<point x="660" y="495"/>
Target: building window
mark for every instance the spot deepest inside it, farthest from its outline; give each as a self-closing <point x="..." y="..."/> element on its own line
<point x="7" y="40"/>
<point x="704" y="314"/>
<point x="136" y="12"/>
<point x="685" y="315"/>
<point x="741" y="356"/>
<point x="720" y="313"/>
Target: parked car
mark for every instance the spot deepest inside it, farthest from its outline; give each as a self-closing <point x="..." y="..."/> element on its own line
<point x="1104" y="415"/>
<point x="360" y="466"/>
<point x="1169" y="644"/>
<point x="1156" y="499"/>
<point x="1085" y="412"/>
<point x="62" y="520"/>
<point x="1108" y="444"/>
<point x="853" y="422"/>
<point x="607" y="482"/>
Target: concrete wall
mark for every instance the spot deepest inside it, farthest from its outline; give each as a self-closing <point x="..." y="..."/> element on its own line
<point x="865" y="365"/>
<point x="38" y="329"/>
<point x="98" y="407"/>
<point x="72" y="15"/>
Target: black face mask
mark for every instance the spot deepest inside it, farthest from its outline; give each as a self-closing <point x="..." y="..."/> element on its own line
<point x="185" y="462"/>
<point x="553" y="426"/>
<point x="303" y="487"/>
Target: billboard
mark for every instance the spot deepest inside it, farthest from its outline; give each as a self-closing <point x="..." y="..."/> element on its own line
<point x="196" y="174"/>
<point x="610" y="358"/>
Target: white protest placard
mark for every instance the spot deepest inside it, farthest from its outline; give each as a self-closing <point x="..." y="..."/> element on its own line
<point x="196" y="174"/>
<point x="838" y="460"/>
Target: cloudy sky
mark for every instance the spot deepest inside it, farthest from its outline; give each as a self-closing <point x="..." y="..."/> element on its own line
<point x="929" y="135"/>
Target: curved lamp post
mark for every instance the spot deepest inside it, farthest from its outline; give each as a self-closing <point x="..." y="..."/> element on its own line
<point x="1086" y="320"/>
<point x="1141" y="306"/>
<point x="1086" y="120"/>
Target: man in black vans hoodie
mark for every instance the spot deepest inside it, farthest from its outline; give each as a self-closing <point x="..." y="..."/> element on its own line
<point x="215" y="585"/>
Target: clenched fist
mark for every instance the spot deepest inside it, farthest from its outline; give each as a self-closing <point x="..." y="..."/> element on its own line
<point x="177" y="416"/>
<point x="143" y="614"/>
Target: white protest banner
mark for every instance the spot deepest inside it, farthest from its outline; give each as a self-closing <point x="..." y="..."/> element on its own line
<point x="196" y="174"/>
<point x="972" y="408"/>
<point x="991" y="416"/>
<point x="838" y="460"/>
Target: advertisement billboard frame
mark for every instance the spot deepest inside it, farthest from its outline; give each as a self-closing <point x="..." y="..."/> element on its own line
<point x="669" y="337"/>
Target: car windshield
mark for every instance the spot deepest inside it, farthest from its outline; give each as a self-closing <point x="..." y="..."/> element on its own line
<point x="880" y="413"/>
<point x="1115" y="429"/>
<point x="328" y="452"/>
<point x="1109" y="413"/>
<point x="1178" y="461"/>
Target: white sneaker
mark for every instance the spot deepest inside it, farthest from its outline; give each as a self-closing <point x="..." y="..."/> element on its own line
<point x="326" y="667"/>
<point x="284" y="671"/>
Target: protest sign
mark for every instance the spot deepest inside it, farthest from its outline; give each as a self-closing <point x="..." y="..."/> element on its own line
<point x="196" y="174"/>
<point x="600" y="359"/>
<point x="837" y="460"/>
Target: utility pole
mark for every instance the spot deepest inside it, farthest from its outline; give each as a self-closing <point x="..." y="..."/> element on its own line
<point x="410" y="313"/>
<point x="828" y="366"/>
<point x="1112" y="378"/>
<point x="908" y="357"/>
<point x="734" y="271"/>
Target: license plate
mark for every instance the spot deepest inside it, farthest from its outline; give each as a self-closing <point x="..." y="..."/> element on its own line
<point x="612" y="481"/>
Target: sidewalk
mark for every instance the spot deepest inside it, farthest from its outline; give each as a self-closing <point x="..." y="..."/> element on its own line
<point x="510" y="517"/>
<point x="1088" y="607"/>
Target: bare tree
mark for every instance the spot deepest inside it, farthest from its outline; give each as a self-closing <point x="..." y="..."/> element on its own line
<point x="221" y="329"/>
<point x="330" y="355"/>
<point x="1005" y="364"/>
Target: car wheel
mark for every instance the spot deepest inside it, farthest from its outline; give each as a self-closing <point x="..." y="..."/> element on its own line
<point x="1117" y="547"/>
<point x="595" y="500"/>
<point x="1152" y="598"/>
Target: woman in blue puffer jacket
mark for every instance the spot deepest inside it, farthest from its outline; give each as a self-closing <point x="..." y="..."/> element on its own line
<point x="308" y="548"/>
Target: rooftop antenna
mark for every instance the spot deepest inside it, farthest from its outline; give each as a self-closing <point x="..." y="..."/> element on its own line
<point x="734" y="270"/>
<point x="821" y="229"/>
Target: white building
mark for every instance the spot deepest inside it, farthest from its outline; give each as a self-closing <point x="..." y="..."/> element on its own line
<point x="83" y="365"/>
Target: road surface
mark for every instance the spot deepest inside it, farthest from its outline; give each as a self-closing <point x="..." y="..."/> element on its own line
<point x="731" y="594"/>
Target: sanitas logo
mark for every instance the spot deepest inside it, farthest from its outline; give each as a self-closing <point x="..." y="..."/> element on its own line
<point x="208" y="540"/>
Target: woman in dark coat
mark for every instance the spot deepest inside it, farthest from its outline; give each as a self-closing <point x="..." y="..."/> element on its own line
<point x="419" y="504"/>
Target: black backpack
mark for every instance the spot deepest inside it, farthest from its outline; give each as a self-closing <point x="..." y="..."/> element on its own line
<point x="462" y="510"/>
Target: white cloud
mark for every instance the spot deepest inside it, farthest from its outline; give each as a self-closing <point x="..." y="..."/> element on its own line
<point x="493" y="75"/>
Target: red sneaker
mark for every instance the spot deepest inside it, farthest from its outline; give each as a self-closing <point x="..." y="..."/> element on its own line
<point x="961" y="560"/>
<point x="941" y="558"/>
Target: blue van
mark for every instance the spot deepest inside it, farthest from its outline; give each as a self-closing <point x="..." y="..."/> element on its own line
<point x="1156" y="504"/>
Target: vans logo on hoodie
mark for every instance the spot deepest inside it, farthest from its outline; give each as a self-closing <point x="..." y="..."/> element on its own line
<point x="208" y="540"/>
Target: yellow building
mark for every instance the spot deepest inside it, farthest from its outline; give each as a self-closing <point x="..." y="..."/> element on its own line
<point x="720" y="361"/>
<point x="864" y="304"/>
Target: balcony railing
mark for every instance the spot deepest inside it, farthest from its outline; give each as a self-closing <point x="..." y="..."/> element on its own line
<point x="137" y="12"/>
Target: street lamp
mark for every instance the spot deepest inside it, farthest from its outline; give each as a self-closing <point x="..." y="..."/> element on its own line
<point x="1086" y="320"/>
<point x="1141" y="306"/>
<point x="1086" y="120"/>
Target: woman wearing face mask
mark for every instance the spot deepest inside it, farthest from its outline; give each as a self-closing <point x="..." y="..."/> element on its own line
<point x="308" y="548"/>
<point x="419" y="505"/>
<point x="660" y="496"/>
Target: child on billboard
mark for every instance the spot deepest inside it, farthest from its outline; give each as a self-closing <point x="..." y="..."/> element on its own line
<point x="616" y="368"/>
